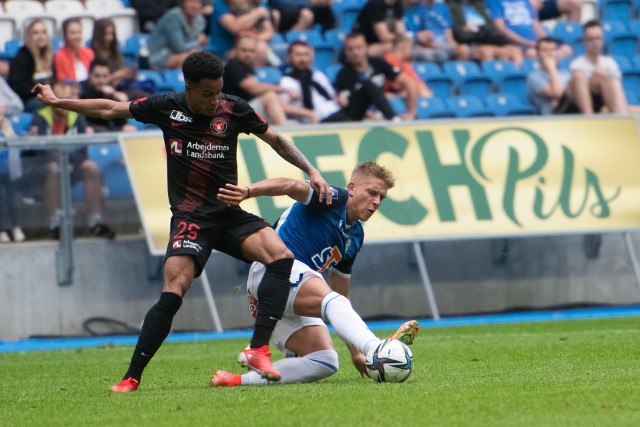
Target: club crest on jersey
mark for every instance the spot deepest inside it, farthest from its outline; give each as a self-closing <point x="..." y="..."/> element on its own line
<point x="176" y="147"/>
<point x="218" y="125"/>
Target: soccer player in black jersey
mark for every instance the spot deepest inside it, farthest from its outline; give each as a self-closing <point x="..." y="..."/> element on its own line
<point x="200" y="129"/>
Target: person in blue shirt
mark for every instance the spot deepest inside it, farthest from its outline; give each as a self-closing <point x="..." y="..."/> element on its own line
<point x="430" y="24"/>
<point x="518" y="22"/>
<point x="322" y="238"/>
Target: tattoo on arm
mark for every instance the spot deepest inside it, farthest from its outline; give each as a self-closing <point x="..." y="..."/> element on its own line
<point x="291" y="154"/>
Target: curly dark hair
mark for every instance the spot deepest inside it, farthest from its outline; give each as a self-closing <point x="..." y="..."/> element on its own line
<point x="202" y="65"/>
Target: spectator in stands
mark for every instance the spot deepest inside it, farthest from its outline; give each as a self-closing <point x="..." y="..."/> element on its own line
<point x="400" y="58"/>
<point x="430" y="23"/>
<point x="178" y="33"/>
<point x="240" y="80"/>
<point x="547" y="85"/>
<point x="104" y="43"/>
<point x="42" y="166"/>
<point x="292" y="15"/>
<point x="150" y="11"/>
<point x="97" y="86"/>
<point x="232" y="18"/>
<point x="11" y="102"/>
<point x="595" y="78"/>
<point x="360" y="83"/>
<point x="71" y="61"/>
<point x="379" y="21"/>
<point x="472" y="25"/>
<point x="315" y="98"/>
<point x="571" y="10"/>
<point x="33" y="63"/>
<point x="10" y="169"/>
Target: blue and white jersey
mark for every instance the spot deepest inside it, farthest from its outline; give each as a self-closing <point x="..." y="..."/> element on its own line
<point x="318" y="234"/>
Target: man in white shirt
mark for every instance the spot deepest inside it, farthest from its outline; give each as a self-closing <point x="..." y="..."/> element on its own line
<point x="316" y="98"/>
<point x="596" y="78"/>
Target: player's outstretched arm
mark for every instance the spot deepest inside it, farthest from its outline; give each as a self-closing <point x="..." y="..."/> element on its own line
<point x="290" y="153"/>
<point x="296" y="189"/>
<point x="105" y="109"/>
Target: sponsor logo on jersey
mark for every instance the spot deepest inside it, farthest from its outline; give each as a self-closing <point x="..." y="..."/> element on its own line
<point x="218" y="125"/>
<point x="176" y="147"/>
<point x="179" y="116"/>
<point x="177" y="244"/>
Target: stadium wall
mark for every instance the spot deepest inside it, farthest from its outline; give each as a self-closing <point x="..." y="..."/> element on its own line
<point x="119" y="280"/>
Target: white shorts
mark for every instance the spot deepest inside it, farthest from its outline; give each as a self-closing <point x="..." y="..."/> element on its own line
<point x="290" y="322"/>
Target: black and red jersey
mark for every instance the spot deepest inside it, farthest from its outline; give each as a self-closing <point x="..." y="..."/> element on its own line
<point x="201" y="150"/>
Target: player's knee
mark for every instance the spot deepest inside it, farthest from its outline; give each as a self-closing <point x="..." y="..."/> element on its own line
<point x="327" y="359"/>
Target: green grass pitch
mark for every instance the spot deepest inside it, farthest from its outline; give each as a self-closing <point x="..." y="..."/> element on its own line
<point x="564" y="373"/>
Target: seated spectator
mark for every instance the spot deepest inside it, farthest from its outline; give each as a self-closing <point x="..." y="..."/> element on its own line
<point x="360" y="83"/>
<point x="315" y="98"/>
<point x="571" y="10"/>
<point x="150" y="11"/>
<point x="379" y="21"/>
<point x="240" y="80"/>
<point x="11" y="102"/>
<point x="399" y="58"/>
<point x="104" y="43"/>
<point x="473" y="26"/>
<point x="232" y="18"/>
<point x="518" y="23"/>
<point x="595" y="78"/>
<point x="293" y="15"/>
<point x="71" y="61"/>
<point x="97" y="87"/>
<point x="178" y="33"/>
<point x="430" y="23"/>
<point x="547" y="85"/>
<point x="32" y="64"/>
<point x="41" y="166"/>
<point x="10" y="169"/>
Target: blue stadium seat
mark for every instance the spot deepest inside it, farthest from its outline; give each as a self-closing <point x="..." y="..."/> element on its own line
<point x="625" y="63"/>
<point x="613" y="28"/>
<point x="398" y="105"/>
<point x="567" y="32"/>
<point x="528" y="65"/>
<point x="348" y="17"/>
<point x="468" y="78"/>
<point x="313" y="37"/>
<point x="77" y="191"/>
<point x="277" y="38"/>
<point x="468" y="106"/>
<point x="134" y="49"/>
<point x="332" y="72"/>
<point x="515" y="84"/>
<point x="616" y="9"/>
<point x="631" y="86"/>
<point x="21" y="122"/>
<point x="268" y="75"/>
<point x="508" y="104"/>
<point x="173" y="80"/>
<point x="497" y="70"/>
<point x="335" y="37"/>
<point x="152" y="76"/>
<point x="433" y="108"/>
<point x="12" y="46"/>
<point x="441" y="84"/>
<point x="116" y="181"/>
<point x="634" y="26"/>
<point x="625" y="44"/>
<point x="105" y="155"/>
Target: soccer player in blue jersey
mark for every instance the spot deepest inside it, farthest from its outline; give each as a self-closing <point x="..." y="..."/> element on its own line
<point x="322" y="237"/>
<point x="200" y="128"/>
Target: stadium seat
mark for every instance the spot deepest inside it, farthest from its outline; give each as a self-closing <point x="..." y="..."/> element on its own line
<point x="8" y="31"/>
<point x="332" y="72"/>
<point x="152" y="76"/>
<point x="268" y="75"/>
<point x="21" y="122"/>
<point x="433" y="108"/>
<point x="64" y="9"/>
<point x="135" y="49"/>
<point x="613" y="28"/>
<point x="528" y="65"/>
<point x="616" y="9"/>
<point x="625" y="44"/>
<point x="173" y="80"/>
<point x="468" y="78"/>
<point x="567" y="32"/>
<point x="313" y="37"/>
<point x="11" y="47"/>
<point x="398" y="105"/>
<point x="468" y="106"/>
<point x="631" y="86"/>
<point x="335" y="37"/>
<point x="625" y="63"/>
<point x="578" y="48"/>
<point x="105" y="155"/>
<point x="25" y="11"/>
<point x="124" y="18"/>
<point x="508" y="104"/>
<point x="497" y="70"/>
<point x="441" y="85"/>
<point x="515" y="84"/>
<point x="348" y="18"/>
<point x="634" y="26"/>
<point x="116" y="181"/>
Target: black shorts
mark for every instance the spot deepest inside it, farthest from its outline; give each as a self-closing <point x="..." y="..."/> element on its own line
<point x="224" y="231"/>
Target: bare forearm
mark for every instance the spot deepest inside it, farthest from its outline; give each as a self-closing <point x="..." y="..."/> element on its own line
<point x="291" y="154"/>
<point x="101" y="108"/>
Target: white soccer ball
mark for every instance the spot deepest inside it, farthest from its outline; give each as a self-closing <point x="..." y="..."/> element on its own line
<point x="391" y="362"/>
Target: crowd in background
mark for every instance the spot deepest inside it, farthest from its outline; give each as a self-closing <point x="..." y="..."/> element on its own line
<point x="309" y="61"/>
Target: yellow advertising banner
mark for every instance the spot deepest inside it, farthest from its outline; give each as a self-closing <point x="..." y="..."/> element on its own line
<point x="455" y="179"/>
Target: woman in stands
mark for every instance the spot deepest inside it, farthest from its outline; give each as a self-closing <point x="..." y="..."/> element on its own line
<point x="104" y="43"/>
<point x="72" y="60"/>
<point x="32" y="64"/>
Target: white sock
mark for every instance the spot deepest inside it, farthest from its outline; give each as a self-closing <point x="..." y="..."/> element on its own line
<point x="94" y="219"/>
<point x="337" y="310"/>
<point x="312" y="367"/>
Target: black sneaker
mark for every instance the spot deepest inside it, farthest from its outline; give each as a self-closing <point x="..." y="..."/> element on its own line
<point x="102" y="230"/>
<point x="55" y="233"/>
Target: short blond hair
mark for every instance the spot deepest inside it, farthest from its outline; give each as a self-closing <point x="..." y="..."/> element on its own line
<point x="375" y="170"/>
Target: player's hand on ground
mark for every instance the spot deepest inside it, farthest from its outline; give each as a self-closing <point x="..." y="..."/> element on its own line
<point x="320" y="186"/>
<point x="358" y="361"/>
<point x="44" y="93"/>
<point x="232" y="194"/>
